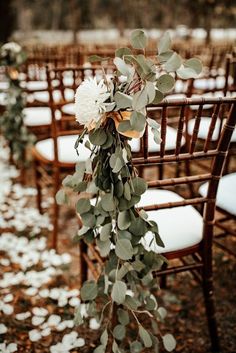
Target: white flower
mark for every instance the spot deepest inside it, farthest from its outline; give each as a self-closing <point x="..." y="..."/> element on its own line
<point x="90" y="100"/>
<point x="3" y="329"/>
<point x="12" y="47"/>
<point x="35" y="335"/>
<point x="10" y="348"/>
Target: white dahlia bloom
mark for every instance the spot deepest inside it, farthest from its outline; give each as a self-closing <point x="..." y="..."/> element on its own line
<point x="90" y="100"/>
<point x="12" y="47"/>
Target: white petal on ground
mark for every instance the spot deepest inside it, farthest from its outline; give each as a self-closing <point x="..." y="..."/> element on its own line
<point x="35" y="335"/>
<point x="46" y="332"/>
<point x="3" y="329"/>
<point x="23" y="316"/>
<point x="37" y="320"/>
<point x="74" y="301"/>
<point x="8" y="298"/>
<point x="39" y="311"/>
<point x="54" y="320"/>
<point x="94" y="324"/>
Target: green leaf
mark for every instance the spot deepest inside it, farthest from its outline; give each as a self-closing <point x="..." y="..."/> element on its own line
<point x="151" y="91"/>
<point x="163" y="57"/>
<point x="124" y="249"/>
<point x="164" y="43"/>
<point x="83" y="206"/>
<point x="136" y="347"/>
<point x="173" y="63"/>
<point x="139" y="185"/>
<point x="137" y="121"/>
<point x="194" y="64"/>
<point x="100" y="349"/>
<point x="140" y="99"/>
<point x="78" y="319"/>
<point x="104" y="338"/>
<point x="153" y="124"/>
<point x="127" y="193"/>
<point x="118" y="292"/>
<point x="123" y="220"/>
<point x="165" y="83"/>
<point x="138" y="39"/>
<point x="169" y="342"/>
<point x="145" y="336"/>
<point x="124" y="126"/>
<point x="104" y="247"/>
<point x="123" y="51"/>
<point x="89" y="290"/>
<point x="107" y="202"/>
<point x="122" y="100"/>
<point x="61" y="197"/>
<point x="105" y="232"/>
<point x="95" y="58"/>
<point x="156" y="135"/>
<point x="119" y="332"/>
<point x="121" y="66"/>
<point x="88" y="219"/>
<point x="98" y="137"/>
<point x="123" y="316"/>
<point x="158" y="97"/>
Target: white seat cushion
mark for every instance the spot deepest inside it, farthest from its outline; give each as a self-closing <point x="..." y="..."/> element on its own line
<point x="171" y="135"/>
<point x="69" y="109"/>
<point x="37" y="116"/>
<point x="225" y="199"/>
<point x="179" y="227"/>
<point x="175" y="96"/>
<point x="43" y="96"/>
<point x="3" y="98"/>
<point x="204" y="127"/>
<point x="66" y="150"/>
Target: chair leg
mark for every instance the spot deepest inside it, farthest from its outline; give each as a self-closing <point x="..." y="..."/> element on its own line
<point x="163" y="279"/>
<point x="210" y="311"/>
<point x="83" y="267"/>
<point x="38" y="187"/>
<point x="55" y="224"/>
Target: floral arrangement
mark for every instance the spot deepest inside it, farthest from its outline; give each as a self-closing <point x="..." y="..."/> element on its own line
<point x="12" y="120"/>
<point x="123" y="298"/>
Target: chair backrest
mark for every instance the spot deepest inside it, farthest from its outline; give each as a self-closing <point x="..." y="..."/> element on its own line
<point x="191" y="153"/>
<point x="64" y="81"/>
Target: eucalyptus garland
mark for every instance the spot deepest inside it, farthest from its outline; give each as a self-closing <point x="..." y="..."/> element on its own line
<point x="12" y="119"/>
<point x="123" y="298"/>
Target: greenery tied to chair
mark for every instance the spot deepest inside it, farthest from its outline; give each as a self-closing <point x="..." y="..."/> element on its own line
<point x="113" y="111"/>
<point x="12" y="120"/>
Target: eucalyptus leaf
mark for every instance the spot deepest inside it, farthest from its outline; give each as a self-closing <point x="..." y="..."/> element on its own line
<point x="107" y="202"/>
<point x="121" y="66"/>
<point x="98" y="137"/>
<point x="104" y="247"/>
<point x="159" y="96"/>
<point x="105" y="232"/>
<point x="83" y="205"/>
<point x="61" y="197"/>
<point x="122" y="100"/>
<point x="136" y="347"/>
<point x="145" y="336"/>
<point x="164" y="43"/>
<point x="139" y="185"/>
<point x="119" y="332"/>
<point x="169" y="342"/>
<point x="123" y="316"/>
<point x="137" y="121"/>
<point x="118" y="292"/>
<point x="121" y="52"/>
<point x="89" y="290"/>
<point x="173" y="63"/>
<point x="124" y="249"/>
<point x="100" y="349"/>
<point x="96" y="58"/>
<point x="165" y="83"/>
<point x="104" y="338"/>
<point x="140" y="99"/>
<point x="123" y="220"/>
<point x="138" y="39"/>
<point x="194" y="64"/>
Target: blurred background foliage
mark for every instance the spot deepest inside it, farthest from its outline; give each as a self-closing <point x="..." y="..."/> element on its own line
<point x="28" y="15"/>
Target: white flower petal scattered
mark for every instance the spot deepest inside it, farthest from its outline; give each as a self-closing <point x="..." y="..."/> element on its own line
<point x="37" y="320"/>
<point x="53" y="320"/>
<point x="35" y="335"/>
<point x="3" y="329"/>
<point x="94" y="324"/>
<point x="40" y="311"/>
<point x="23" y="316"/>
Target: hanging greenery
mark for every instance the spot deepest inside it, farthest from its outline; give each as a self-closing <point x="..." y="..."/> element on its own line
<point x="12" y="120"/>
<point x="124" y="297"/>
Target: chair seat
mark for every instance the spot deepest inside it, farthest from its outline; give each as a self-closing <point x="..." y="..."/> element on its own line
<point x="171" y="135"/>
<point x="179" y="227"/>
<point x="43" y="96"/>
<point x="225" y="199"/>
<point x="69" y="109"/>
<point x="66" y="151"/>
<point x="204" y="127"/>
<point x="38" y="116"/>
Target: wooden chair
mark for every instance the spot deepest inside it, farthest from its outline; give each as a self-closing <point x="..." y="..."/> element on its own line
<point x="186" y="233"/>
<point x="56" y="155"/>
<point x="225" y="223"/>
